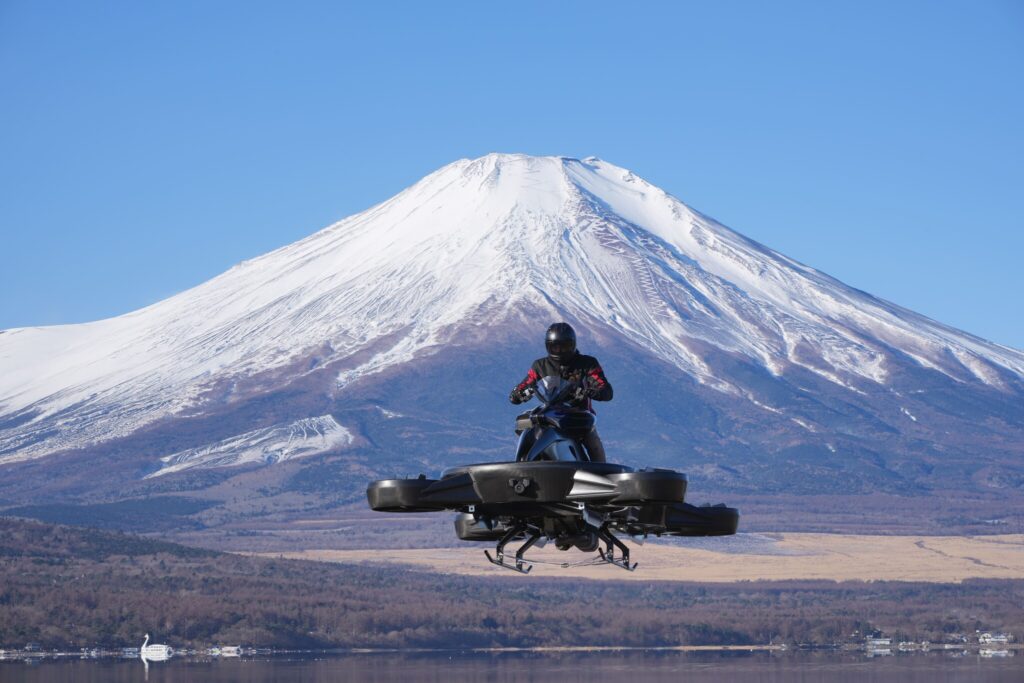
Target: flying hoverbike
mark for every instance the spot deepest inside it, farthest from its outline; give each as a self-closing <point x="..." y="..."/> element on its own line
<point x="553" y="492"/>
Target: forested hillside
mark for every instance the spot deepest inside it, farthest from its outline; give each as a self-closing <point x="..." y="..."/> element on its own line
<point x="70" y="587"/>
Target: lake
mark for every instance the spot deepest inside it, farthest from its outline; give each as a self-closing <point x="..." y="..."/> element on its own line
<point x="523" y="667"/>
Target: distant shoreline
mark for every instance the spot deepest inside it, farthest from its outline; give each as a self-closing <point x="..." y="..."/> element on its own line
<point x="13" y="656"/>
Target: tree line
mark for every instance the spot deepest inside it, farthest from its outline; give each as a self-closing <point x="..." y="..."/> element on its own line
<point x="69" y="587"/>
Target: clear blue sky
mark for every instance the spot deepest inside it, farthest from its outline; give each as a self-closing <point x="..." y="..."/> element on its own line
<point x="146" y="147"/>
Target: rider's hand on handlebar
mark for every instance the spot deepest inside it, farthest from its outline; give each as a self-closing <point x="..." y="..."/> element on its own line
<point x="520" y="395"/>
<point x="588" y="389"/>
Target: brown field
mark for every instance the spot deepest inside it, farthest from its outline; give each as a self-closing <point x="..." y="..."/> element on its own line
<point x="748" y="557"/>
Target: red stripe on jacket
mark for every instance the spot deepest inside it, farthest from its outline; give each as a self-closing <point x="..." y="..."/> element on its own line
<point x="531" y="379"/>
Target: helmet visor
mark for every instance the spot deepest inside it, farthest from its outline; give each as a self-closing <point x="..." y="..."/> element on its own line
<point x="560" y="348"/>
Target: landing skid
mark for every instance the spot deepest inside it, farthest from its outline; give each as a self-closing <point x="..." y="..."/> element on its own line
<point x="608" y="552"/>
<point x="606" y="555"/>
<point x="499" y="550"/>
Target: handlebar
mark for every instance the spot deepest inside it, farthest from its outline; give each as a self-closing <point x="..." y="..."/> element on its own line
<point x="560" y="397"/>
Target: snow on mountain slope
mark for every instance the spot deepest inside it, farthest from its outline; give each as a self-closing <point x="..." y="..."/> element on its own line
<point x="298" y="439"/>
<point x="476" y="240"/>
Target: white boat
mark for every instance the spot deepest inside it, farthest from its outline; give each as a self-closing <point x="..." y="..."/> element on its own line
<point x="231" y="651"/>
<point x="155" y="652"/>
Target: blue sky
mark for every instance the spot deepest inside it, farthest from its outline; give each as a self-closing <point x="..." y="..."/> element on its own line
<point x="146" y="147"/>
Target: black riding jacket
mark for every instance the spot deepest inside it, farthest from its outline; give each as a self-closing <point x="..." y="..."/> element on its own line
<point x="578" y="367"/>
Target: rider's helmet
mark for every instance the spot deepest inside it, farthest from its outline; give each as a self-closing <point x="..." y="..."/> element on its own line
<point x="561" y="343"/>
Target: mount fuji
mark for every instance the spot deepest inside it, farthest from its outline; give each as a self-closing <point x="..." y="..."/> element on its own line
<point x="388" y="341"/>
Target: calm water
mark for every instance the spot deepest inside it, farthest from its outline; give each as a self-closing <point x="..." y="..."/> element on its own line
<point x="523" y="668"/>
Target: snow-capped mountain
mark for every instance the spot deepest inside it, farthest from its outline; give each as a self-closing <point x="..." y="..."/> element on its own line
<point x="298" y="439"/>
<point x="483" y="254"/>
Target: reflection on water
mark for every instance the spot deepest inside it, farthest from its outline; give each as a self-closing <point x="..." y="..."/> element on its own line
<point x="703" y="667"/>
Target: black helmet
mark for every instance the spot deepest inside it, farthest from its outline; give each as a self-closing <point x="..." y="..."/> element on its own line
<point x="561" y="342"/>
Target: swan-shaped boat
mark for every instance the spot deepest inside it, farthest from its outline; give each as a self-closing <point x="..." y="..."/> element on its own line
<point x="156" y="652"/>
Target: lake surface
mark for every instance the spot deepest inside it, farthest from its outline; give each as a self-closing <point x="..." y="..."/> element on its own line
<point x="524" y="667"/>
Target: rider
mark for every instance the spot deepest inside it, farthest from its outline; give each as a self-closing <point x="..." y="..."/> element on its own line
<point x="563" y="360"/>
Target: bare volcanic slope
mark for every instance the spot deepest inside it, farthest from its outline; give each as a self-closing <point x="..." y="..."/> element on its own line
<point x="386" y="343"/>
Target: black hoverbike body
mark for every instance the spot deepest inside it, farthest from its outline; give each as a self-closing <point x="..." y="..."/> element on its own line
<point x="552" y="491"/>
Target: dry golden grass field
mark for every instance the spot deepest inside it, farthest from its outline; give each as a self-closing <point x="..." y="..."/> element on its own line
<point x="747" y="557"/>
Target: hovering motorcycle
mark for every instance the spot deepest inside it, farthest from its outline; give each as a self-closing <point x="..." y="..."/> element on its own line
<point x="552" y="491"/>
